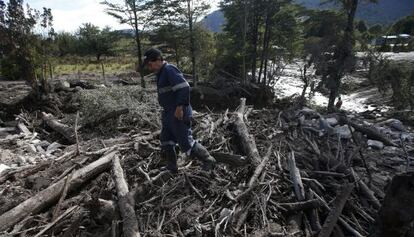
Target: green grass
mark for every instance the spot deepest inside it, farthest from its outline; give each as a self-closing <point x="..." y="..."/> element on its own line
<point x="70" y="65"/>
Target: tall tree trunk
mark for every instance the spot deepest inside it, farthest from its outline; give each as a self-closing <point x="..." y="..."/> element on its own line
<point x="244" y="42"/>
<point x="264" y="47"/>
<point x="192" y="42"/>
<point x="177" y="55"/>
<point x="305" y="81"/>
<point x="342" y="54"/>
<point x="138" y="42"/>
<point x="265" y="66"/>
<point x="255" y="39"/>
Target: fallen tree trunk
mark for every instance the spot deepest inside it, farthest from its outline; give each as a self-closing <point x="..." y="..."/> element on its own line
<point x="230" y="159"/>
<point x="50" y="195"/>
<point x="107" y="116"/>
<point x="335" y="213"/>
<point x="296" y="178"/>
<point x="372" y="134"/>
<point x="301" y="206"/>
<point x="247" y="142"/>
<point x="253" y="180"/>
<point x="366" y="191"/>
<point x="64" y="130"/>
<point x="125" y="203"/>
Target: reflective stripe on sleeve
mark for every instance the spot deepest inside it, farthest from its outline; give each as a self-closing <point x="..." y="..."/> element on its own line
<point x="180" y="86"/>
<point x="165" y="89"/>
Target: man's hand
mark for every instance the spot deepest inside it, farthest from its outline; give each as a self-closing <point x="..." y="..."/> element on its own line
<point x="179" y="112"/>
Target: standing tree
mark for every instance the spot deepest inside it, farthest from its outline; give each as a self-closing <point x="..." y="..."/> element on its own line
<point x="94" y="41"/>
<point x="271" y="29"/>
<point x="45" y="48"/>
<point x="343" y="57"/>
<point x="181" y="13"/>
<point x="135" y="13"/>
<point x="17" y="38"/>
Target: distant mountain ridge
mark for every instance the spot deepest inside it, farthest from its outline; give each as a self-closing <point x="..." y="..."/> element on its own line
<point x="384" y="12"/>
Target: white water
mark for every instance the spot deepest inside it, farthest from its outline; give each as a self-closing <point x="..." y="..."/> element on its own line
<point x="290" y="84"/>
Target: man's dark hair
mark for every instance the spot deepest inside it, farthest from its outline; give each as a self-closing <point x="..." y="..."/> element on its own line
<point x="152" y="55"/>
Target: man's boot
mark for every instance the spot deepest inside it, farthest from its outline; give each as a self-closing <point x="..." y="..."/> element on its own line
<point x="171" y="157"/>
<point x="203" y="155"/>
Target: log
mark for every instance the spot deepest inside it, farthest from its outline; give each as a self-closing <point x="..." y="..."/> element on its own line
<point x="372" y="134"/>
<point x="230" y="159"/>
<point x="23" y="128"/>
<point x="366" y="191"/>
<point x="247" y="142"/>
<point x="335" y="213"/>
<point x="253" y="180"/>
<point x="296" y="178"/>
<point x="300" y="206"/>
<point x="50" y="195"/>
<point x="7" y="129"/>
<point x="125" y="203"/>
<point x="107" y="116"/>
<point x="59" y="218"/>
<point x="64" y="130"/>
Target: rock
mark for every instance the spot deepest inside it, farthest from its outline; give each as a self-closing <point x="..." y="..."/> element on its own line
<point x="332" y="121"/>
<point x="375" y="144"/>
<point x="3" y="167"/>
<point x="343" y="132"/>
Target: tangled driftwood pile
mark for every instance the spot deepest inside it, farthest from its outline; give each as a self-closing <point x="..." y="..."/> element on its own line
<point x="280" y="173"/>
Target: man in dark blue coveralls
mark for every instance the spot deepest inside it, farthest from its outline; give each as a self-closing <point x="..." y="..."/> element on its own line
<point x="174" y="98"/>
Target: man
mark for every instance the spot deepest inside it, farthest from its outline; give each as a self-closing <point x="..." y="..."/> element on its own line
<point x="174" y="98"/>
<point x="338" y="104"/>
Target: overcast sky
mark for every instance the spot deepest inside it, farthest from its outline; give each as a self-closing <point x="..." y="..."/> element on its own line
<point x="70" y="14"/>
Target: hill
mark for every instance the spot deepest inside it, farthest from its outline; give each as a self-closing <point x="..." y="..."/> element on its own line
<point x="384" y="12"/>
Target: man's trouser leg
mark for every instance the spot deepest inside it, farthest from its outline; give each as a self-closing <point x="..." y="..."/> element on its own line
<point x="182" y="132"/>
<point x="168" y="142"/>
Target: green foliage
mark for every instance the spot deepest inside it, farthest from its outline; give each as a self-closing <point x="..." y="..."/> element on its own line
<point x="361" y="26"/>
<point x="404" y="26"/>
<point x="326" y="24"/>
<point x="399" y="76"/>
<point x="206" y="51"/>
<point x="66" y="44"/>
<point x="271" y="27"/>
<point x="23" y="53"/>
<point x="376" y="30"/>
<point x="94" y="41"/>
<point x="76" y="64"/>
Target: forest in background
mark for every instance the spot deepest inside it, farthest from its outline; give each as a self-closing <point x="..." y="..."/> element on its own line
<point x="258" y="38"/>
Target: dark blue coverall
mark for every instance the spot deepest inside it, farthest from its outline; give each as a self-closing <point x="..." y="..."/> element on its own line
<point x="174" y="90"/>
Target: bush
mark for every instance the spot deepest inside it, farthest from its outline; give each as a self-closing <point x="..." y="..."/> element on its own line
<point x="397" y="75"/>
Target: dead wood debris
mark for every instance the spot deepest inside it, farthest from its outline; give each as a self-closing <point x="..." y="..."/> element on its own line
<point x="276" y="177"/>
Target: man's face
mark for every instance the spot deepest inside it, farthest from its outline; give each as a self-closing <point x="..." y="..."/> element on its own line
<point x="154" y="66"/>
